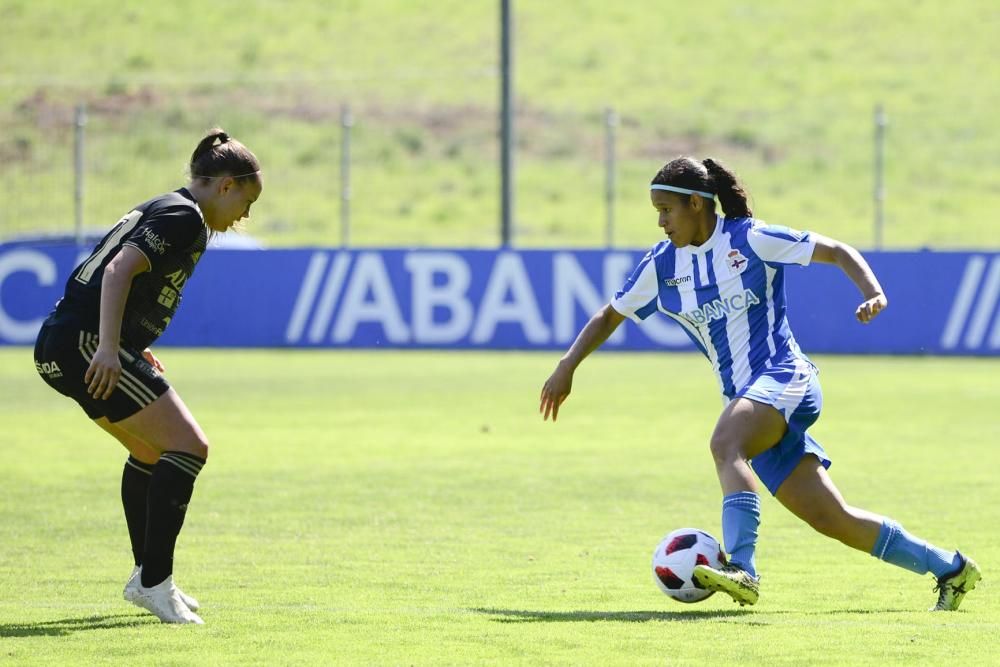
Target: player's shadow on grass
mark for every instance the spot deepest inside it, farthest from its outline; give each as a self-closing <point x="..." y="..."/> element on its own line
<point x="526" y="616"/>
<point x="67" y="626"/>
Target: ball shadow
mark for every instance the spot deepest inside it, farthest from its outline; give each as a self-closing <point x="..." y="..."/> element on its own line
<point x="531" y="616"/>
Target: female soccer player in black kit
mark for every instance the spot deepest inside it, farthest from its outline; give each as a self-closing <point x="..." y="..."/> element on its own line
<point x="94" y="348"/>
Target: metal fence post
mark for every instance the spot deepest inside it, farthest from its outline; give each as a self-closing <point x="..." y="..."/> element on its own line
<point x="346" y="121"/>
<point x="506" y="123"/>
<point x="610" y="123"/>
<point x="79" y="123"/>
<point x="879" y="192"/>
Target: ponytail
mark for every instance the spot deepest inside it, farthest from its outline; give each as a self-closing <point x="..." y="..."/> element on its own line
<point x="219" y="155"/>
<point x="216" y="134"/>
<point x="728" y="189"/>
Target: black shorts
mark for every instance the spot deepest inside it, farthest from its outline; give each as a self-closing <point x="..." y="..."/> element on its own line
<point x="62" y="357"/>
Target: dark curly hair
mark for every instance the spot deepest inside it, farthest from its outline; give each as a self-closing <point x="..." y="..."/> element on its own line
<point x="708" y="176"/>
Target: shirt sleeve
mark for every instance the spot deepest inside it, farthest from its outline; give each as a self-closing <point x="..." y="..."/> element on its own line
<point x="637" y="298"/>
<point x="781" y="245"/>
<point x="166" y="232"/>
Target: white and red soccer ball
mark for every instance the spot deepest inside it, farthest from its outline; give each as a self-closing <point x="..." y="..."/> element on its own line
<point x="675" y="558"/>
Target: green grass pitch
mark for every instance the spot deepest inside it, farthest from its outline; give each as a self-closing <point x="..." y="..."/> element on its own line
<point x="412" y="508"/>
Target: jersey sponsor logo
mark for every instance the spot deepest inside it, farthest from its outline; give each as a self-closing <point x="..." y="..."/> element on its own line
<point x="167" y="297"/>
<point x="736" y="262"/>
<point x="177" y="279"/>
<point x="430" y="298"/>
<point x="49" y="369"/>
<point x="723" y="306"/>
<point x="155" y="242"/>
<point x="153" y="327"/>
<point x="673" y="282"/>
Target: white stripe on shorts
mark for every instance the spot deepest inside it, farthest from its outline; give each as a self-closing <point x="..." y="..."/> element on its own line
<point x="793" y="393"/>
<point x="135" y="390"/>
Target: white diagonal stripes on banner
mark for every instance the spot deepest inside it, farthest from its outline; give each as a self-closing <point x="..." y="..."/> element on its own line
<point x="306" y="296"/>
<point x="328" y="297"/>
<point x="984" y="306"/>
<point x="963" y="302"/>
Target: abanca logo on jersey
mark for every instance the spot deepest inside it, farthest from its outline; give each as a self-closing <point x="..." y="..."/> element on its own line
<point x="718" y="308"/>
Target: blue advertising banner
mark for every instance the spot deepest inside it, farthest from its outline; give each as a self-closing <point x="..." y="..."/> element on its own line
<point x="939" y="302"/>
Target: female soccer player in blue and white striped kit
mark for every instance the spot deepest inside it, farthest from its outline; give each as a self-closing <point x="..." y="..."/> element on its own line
<point x="721" y="278"/>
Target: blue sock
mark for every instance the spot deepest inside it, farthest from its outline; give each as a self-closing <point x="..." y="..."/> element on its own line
<point x="740" y="518"/>
<point x="895" y="545"/>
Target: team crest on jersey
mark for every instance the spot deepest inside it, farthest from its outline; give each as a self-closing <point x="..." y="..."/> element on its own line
<point x="736" y="262"/>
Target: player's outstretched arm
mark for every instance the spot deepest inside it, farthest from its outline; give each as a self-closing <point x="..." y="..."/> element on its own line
<point x="557" y="388"/>
<point x="850" y="261"/>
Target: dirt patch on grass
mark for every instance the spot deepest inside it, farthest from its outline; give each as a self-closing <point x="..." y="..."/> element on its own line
<point x="429" y="130"/>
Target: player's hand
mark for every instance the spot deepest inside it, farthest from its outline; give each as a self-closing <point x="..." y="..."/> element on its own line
<point x="867" y="311"/>
<point x="555" y="390"/>
<point x="148" y="355"/>
<point x="103" y="373"/>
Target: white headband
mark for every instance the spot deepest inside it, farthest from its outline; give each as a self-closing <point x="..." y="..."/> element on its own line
<point x="683" y="191"/>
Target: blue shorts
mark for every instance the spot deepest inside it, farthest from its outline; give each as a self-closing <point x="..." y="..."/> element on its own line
<point x="793" y="389"/>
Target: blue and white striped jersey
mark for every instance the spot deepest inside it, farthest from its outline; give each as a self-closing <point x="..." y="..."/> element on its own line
<point x="728" y="295"/>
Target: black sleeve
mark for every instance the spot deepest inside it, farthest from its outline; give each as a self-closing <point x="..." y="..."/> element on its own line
<point x="166" y="232"/>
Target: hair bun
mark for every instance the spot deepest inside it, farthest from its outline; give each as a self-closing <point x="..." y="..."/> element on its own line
<point x="222" y="137"/>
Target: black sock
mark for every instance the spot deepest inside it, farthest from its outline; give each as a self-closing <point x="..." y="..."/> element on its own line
<point x="170" y="488"/>
<point x="135" y="488"/>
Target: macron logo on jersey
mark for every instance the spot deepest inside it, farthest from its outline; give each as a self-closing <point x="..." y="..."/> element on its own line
<point x="721" y="307"/>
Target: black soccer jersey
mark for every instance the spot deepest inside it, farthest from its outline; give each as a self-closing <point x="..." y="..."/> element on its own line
<point x="171" y="232"/>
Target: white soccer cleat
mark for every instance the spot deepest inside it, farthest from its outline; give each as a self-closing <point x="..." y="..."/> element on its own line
<point x="135" y="581"/>
<point x="164" y="602"/>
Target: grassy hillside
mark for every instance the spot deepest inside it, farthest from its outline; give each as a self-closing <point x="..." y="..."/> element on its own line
<point x="783" y="91"/>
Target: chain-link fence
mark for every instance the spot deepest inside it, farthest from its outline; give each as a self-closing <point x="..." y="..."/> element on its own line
<point x="421" y="90"/>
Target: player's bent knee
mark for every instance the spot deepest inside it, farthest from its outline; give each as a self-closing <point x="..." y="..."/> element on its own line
<point x="196" y="445"/>
<point x="201" y="449"/>
<point x="724" y="450"/>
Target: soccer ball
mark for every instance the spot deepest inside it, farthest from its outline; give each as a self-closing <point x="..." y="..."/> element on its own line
<point x="675" y="558"/>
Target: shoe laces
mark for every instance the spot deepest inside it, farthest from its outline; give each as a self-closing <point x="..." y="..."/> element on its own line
<point x="737" y="570"/>
<point x="944" y="588"/>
